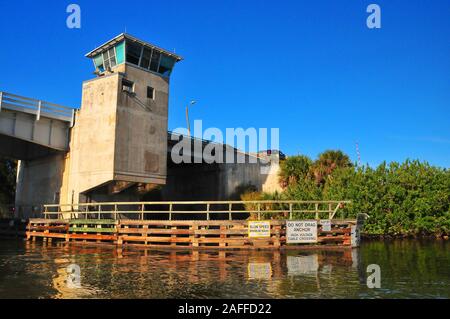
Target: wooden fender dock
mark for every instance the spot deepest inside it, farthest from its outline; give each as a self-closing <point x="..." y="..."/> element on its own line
<point x="94" y="223"/>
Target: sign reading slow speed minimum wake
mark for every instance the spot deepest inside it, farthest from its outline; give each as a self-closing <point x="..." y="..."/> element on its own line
<point x="258" y="229"/>
<point x="301" y="232"/>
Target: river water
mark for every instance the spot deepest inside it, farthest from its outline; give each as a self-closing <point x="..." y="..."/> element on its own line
<point x="408" y="269"/>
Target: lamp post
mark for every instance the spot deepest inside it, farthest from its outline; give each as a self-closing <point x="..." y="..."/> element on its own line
<point x="187" y="116"/>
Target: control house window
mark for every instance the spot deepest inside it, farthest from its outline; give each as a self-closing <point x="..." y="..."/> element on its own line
<point x="154" y="63"/>
<point x="127" y="86"/>
<point x="150" y="93"/>
<point x="149" y="58"/>
<point x="133" y="51"/>
<point x="109" y="58"/>
<point x="98" y="62"/>
<point x="145" y="60"/>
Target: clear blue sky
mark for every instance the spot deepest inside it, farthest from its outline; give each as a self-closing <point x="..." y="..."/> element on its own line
<point x="311" y="68"/>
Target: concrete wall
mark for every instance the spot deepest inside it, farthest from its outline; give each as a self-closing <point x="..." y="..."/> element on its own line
<point x="91" y="160"/>
<point x="218" y="181"/>
<point x="271" y="183"/>
<point x="141" y="133"/>
<point x="39" y="181"/>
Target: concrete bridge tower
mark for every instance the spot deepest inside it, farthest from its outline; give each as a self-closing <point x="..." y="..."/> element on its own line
<point x="119" y="138"/>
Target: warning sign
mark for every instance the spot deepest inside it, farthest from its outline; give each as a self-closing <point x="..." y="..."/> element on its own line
<point x="326" y="224"/>
<point x="299" y="232"/>
<point x="258" y="229"/>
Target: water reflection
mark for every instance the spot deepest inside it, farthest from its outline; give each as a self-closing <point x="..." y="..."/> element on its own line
<point x="303" y="265"/>
<point x="39" y="270"/>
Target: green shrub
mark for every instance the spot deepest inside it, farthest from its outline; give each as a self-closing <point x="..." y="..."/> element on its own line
<point x="411" y="198"/>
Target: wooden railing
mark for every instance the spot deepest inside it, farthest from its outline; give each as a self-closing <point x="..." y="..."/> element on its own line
<point x="36" y="107"/>
<point x="197" y="210"/>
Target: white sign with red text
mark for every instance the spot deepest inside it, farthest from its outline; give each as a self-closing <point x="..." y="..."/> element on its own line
<point x="301" y="231"/>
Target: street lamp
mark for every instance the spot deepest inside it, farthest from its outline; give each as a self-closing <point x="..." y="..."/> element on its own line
<point x="187" y="116"/>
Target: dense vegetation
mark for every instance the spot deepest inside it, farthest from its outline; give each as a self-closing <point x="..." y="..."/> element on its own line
<point x="7" y="183"/>
<point x="7" y="180"/>
<point x="411" y="198"/>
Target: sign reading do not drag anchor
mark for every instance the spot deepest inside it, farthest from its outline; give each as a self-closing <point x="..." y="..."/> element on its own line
<point x="301" y="232"/>
<point x="258" y="229"/>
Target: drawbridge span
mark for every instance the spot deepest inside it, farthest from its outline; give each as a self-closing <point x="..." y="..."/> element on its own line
<point x="31" y="128"/>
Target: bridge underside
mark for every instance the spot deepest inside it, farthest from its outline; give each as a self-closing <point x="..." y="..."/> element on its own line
<point x="23" y="150"/>
<point x="24" y="136"/>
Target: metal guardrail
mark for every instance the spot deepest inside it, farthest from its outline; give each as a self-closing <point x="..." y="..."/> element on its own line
<point x="206" y="209"/>
<point x="39" y="108"/>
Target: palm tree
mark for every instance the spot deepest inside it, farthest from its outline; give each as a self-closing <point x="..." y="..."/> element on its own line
<point x="327" y="162"/>
<point x="294" y="169"/>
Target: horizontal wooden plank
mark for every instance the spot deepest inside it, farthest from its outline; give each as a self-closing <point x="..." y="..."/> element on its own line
<point x="48" y="235"/>
<point x="155" y="231"/>
<point x="47" y="221"/>
<point x="221" y="240"/>
<point x="335" y="231"/>
<point x="92" y="237"/>
<point x="50" y="228"/>
<point x="332" y="239"/>
<point x="156" y="239"/>
<point x="92" y="230"/>
<point x="221" y="232"/>
<point x="93" y="222"/>
<point x="182" y="222"/>
<point x="343" y="221"/>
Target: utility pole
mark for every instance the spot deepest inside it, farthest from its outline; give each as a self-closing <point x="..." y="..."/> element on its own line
<point x="358" y="153"/>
